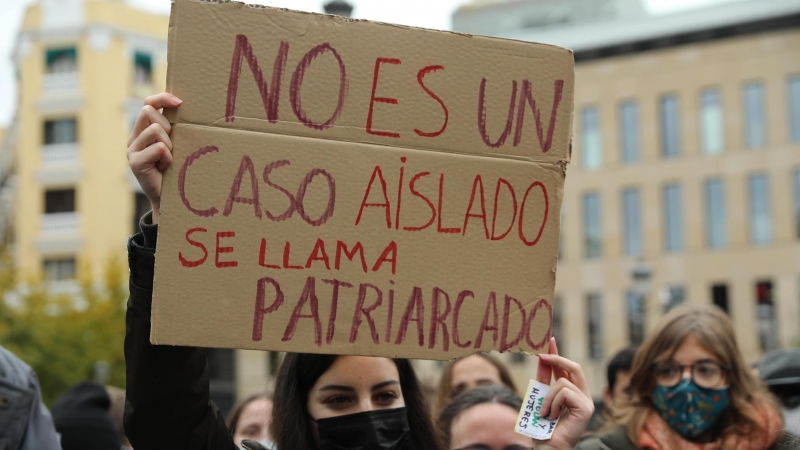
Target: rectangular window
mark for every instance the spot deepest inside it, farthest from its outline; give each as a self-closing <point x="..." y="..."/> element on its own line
<point x="594" y="310"/>
<point x="558" y="325"/>
<point x="273" y="363"/>
<point x="716" y="231"/>
<point x="561" y="235"/>
<point x="673" y="218"/>
<point x="765" y="311"/>
<point x="794" y="107"/>
<point x="140" y="207"/>
<point x="796" y="183"/>
<point x="591" y="141"/>
<point x="592" y="229"/>
<point x="632" y="221"/>
<point x="142" y="68"/>
<point x="222" y="378"/>
<point x="61" y="60"/>
<point x="636" y="315"/>
<point x="59" y="269"/>
<point x="719" y="295"/>
<point x="629" y="131"/>
<point x="59" y="201"/>
<point x="755" y="127"/>
<point x="712" y="128"/>
<point x="675" y="295"/>
<point x="670" y="126"/>
<point x="760" y="211"/>
<point x="61" y="131"/>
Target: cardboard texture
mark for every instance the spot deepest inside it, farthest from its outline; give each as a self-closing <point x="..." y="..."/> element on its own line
<point x="349" y="187"/>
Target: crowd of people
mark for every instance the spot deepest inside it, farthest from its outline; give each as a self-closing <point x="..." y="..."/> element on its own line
<point x="686" y="387"/>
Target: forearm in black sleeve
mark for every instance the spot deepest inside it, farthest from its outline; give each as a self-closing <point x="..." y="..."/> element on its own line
<point x="167" y="401"/>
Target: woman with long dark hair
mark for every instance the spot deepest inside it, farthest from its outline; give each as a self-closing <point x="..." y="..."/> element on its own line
<point x="327" y="392"/>
<point x="321" y="401"/>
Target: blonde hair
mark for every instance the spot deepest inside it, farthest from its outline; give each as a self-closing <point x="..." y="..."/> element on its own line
<point x="715" y="332"/>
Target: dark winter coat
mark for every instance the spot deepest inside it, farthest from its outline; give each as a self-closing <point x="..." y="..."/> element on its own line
<point x="167" y="403"/>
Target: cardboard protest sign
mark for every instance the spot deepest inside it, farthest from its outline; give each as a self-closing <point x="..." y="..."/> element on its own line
<point x="349" y="187"/>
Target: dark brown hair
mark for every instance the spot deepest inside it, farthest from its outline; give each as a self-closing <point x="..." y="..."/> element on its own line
<point x="484" y="394"/>
<point x="291" y="424"/>
<point x="445" y="391"/>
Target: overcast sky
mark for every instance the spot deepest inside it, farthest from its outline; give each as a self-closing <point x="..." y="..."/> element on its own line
<point x="421" y="13"/>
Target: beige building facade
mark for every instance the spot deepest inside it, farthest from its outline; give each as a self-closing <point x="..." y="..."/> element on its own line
<point x="685" y="168"/>
<point x="685" y="165"/>
<point x="68" y="200"/>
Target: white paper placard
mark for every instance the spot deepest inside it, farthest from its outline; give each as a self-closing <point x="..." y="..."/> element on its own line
<point x="529" y="422"/>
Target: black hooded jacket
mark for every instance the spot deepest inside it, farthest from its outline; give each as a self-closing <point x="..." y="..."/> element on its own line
<point x="167" y="403"/>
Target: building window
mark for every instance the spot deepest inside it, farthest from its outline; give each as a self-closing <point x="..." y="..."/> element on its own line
<point x="59" y="201"/>
<point x="222" y="378"/>
<point x="796" y="183"/>
<point x="140" y="207"/>
<point x="61" y="60"/>
<point x="591" y="141"/>
<point x="558" y="304"/>
<point x="59" y="269"/>
<point x="518" y="358"/>
<point x="670" y="126"/>
<point x="794" y="107"/>
<point x="712" y="131"/>
<point x="673" y="218"/>
<point x="592" y="229"/>
<point x="629" y="131"/>
<point x="636" y="314"/>
<point x="273" y="363"/>
<point x="765" y="311"/>
<point x="561" y="235"/>
<point x="142" y="68"/>
<point x="760" y="215"/>
<point x="632" y="222"/>
<point x="673" y="296"/>
<point x="594" y="311"/>
<point x="755" y="131"/>
<point x="716" y="231"/>
<point x="719" y="295"/>
<point x="61" y="131"/>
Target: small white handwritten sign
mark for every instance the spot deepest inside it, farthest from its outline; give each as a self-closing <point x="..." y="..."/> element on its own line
<point x="529" y="421"/>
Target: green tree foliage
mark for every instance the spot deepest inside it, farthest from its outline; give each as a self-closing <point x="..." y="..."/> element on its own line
<point x="63" y="336"/>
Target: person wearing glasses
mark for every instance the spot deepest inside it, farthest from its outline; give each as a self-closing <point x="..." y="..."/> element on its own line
<point x="484" y="418"/>
<point x="691" y="389"/>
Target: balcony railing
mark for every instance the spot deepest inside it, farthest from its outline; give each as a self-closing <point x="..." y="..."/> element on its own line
<point x="60" y="223"/>
<point x="60" y="154"/>
<point x="61" y="82"/>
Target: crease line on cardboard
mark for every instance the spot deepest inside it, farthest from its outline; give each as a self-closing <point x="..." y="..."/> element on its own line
<point x="559" y="165"/>
<point x="277" y="24"/>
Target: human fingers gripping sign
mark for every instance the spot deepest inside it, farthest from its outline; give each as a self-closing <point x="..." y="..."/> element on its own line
<point x="150" y="147"/>
<point x="567" y="402"/>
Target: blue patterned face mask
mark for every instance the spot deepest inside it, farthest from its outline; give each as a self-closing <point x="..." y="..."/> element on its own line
<point x="689" y="409"/>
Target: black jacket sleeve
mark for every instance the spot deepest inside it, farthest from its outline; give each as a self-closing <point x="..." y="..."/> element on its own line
<point x="167" y="404"/>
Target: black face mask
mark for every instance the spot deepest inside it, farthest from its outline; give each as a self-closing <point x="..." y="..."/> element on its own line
<point x="383" y="429"/>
